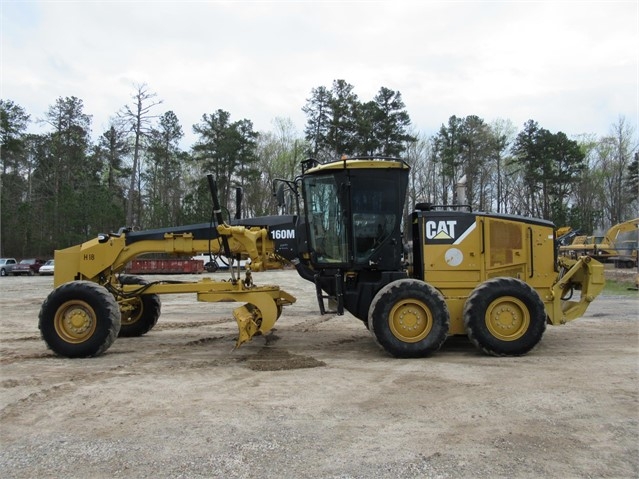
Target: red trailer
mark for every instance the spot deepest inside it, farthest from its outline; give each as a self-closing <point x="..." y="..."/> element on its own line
<point x="165" y="266"/>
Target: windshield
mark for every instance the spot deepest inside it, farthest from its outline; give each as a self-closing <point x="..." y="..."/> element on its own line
<point x="352" y="223"/>
<point x="327" y="228"/>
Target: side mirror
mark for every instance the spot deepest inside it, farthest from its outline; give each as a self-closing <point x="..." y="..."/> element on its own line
<point x="239" y="194"/>
<point x="279" y="194"/>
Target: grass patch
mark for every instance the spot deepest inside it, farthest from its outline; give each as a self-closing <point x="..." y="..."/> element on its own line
<point x="614" y="287"/>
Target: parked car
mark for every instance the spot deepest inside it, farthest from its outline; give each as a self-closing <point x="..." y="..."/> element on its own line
<point x="29" y="266"/>
<point x="6" y="265"/>
<point x="46" y="268"/>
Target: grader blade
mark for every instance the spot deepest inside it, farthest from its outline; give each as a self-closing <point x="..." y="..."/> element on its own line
<point x="260" y="314"/>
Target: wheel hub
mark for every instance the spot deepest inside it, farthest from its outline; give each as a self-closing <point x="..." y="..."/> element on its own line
<point x="410" y="321"/>
<point x="507" y="318"/>
<point x="75" y="321"/>
<point x="131" y="311"/>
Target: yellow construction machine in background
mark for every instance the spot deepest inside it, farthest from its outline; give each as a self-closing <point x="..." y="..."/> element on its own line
<point x="618" y="245"/>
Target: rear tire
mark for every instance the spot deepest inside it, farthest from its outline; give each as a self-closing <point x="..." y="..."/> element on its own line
<point x="79" y="319"/>
<point x="409" y="318"/>
<point x="145" y="313"/>
<point x="211" y="267"/>
<point x="504" y="317"/>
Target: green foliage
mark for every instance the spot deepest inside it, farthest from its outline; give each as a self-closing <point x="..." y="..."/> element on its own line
<point x="552" y="166"/>
<point x="13" y="124"/>
<point x="163" y="175"/>
<point x="196" y="204"/>
<point x="339" y="124"/>
<point x="624" y="288"/>
<point x="468" y="150"/>
<point x="318" y="114"/>
<point x="227" y="151"/>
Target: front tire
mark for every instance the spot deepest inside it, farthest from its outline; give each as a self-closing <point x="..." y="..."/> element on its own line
<point x="79" y="319"/>
<point x="504" y="317"/>
<point x="409" y="318"/>
<point x="143" y="311"/>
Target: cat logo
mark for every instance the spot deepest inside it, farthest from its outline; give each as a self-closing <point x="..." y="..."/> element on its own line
<point x="448" y="231"/>
<point x="441" y="230"/>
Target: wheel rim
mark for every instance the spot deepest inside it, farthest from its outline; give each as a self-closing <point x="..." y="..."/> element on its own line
<point x="75" y="321"/>
<point x="410" y="320"/>
<point x="132" y="312"/>
<point x="507" y="318"/>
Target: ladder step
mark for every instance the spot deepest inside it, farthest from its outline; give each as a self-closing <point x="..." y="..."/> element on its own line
<point x="337" y="300"/>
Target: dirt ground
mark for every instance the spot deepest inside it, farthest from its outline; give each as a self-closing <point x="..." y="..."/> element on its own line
<point x="316" y="398"/>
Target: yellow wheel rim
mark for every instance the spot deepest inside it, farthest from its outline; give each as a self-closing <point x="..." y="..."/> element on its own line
<point x="75" y="321"/>
<point x="131" y="311"/>
<point x="507" y="318"/>
<point x="410" y="320"/>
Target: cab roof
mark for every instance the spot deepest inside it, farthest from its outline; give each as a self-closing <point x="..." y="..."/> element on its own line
<point x="360" y="162"/>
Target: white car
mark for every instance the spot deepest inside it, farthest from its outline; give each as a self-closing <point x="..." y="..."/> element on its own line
<point x="46" y="268"/>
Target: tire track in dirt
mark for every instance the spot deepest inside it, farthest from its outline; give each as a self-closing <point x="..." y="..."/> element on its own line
<point x="23" y="338"/>
<point x="42" y="396"/>
<point x="310" y="324"/>
<point x="10" y="357"/>
<point x="190" y="324"/>
<point x="35" y="400"/>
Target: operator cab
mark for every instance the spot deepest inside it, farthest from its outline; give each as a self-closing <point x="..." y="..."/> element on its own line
<point x="353" y="211"/>
<point x="350" y="231"/>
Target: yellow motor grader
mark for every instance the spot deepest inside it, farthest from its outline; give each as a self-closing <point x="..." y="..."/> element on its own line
<point x="496" y="278"/>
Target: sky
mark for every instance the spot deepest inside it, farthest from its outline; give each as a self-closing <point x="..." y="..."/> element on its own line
<point x="571" y="66"/>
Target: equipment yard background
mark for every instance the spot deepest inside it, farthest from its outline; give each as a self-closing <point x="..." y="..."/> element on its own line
<point x="315" y="398"/>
